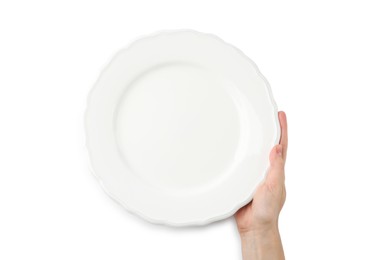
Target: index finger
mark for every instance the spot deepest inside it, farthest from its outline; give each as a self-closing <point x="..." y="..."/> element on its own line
<point x="284" y="133"/>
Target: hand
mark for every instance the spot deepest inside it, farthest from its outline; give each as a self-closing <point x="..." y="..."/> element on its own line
<point x="258" y="221"/>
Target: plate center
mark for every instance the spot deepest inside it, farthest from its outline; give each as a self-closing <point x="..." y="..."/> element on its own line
<point x="178" y="127"/>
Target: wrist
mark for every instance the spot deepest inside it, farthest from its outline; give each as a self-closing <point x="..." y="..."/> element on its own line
<point x="260" y="232"/>
<point x="262" y="243"/>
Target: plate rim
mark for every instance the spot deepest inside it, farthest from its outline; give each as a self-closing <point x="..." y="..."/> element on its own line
<point x="130" y="209"/>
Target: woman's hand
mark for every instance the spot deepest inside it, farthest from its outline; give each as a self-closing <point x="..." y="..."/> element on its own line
<point x="258" y="221"/>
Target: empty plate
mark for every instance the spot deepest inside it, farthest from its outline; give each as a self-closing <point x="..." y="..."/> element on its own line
<point x="179" y="127"/>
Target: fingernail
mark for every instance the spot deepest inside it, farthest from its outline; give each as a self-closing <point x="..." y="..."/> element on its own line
<point x="279" y="150"/>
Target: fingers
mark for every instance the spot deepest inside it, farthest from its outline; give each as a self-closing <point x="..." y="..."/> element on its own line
<point x="284" y="134"/>
<point x="278" y="154"/>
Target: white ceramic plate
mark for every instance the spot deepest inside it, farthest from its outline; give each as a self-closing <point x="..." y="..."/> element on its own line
<point x="179" y="126"/>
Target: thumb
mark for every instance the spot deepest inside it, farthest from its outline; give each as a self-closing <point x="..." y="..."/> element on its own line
<point x="276" y="169"/>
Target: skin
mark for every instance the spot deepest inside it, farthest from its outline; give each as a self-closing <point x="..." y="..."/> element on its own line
<point x="258" y="221"/>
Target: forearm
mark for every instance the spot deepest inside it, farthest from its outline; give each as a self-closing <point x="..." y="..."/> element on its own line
<point x="262" y="245"/>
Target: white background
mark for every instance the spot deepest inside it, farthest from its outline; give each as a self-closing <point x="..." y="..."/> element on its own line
<point x="315" y="56"/>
